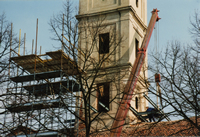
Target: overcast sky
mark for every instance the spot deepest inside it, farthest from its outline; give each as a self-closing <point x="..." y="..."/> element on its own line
<point x="174" y="24"/>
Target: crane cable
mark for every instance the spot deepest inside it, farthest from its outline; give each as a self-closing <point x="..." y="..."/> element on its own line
<point x="156" y="44"/>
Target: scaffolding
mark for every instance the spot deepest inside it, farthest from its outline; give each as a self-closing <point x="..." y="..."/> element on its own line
<point x="41" y="98"/>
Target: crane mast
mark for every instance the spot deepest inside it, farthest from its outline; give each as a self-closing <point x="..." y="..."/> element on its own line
<point x="130" y="86"/>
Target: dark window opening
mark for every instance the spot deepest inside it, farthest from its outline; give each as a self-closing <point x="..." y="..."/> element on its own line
<point x="103" y="43"/>
<point x="136" y="47"/>
<point x="136" y="3"/>
<point x="103" y="96"/>
<point x="136" y="103"/>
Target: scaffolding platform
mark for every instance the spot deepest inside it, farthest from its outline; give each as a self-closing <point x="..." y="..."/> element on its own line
<point x="43" y="104"/>
<point x="53" y="88"/>
<point x="45" y="134"/>
<point x="44" y="83"/>
<point x="59" y="60"/>
<point x="37" y="76"/>
<point x="27" y="62"/>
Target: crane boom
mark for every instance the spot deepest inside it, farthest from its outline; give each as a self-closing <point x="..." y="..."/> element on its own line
<point x="130" y="86"/>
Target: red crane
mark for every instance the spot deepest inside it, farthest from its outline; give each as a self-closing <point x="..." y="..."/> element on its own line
<point x="130" y="86"/>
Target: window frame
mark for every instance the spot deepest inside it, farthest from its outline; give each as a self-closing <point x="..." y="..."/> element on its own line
<point x="136" y="102"/>
<point x="104" y="40"/>
<point x="105" y="98"/>
<point x="136" y="3"/>
<point x="136" y="47"/>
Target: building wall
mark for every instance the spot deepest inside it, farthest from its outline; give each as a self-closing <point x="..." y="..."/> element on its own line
<point x="92" y="6"/>
<point x="124" y="20"/>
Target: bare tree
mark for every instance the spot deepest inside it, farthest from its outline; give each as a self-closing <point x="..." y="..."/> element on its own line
<point x="7" y="38"/>
<point x="90" y="66"/>
<point x="43" y="105"/>
<point x="179" y="68"/>
<point x="5" y="42"/>
<point x="93" y="64"/>
<point x="195" y="30"/>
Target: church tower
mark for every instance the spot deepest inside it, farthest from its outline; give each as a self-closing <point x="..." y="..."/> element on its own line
<point x="115" y="28"/>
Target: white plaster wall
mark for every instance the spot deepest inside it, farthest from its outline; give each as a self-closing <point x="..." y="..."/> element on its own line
<point x="126" y="25"/>
<point x="92" y="6"/>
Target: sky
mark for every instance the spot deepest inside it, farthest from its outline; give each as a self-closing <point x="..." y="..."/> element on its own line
<point x="175" y="20"/>
<point x="24" y="13"/>
<point x="174" y="24"/>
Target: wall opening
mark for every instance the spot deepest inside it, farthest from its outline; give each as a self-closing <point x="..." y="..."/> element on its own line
<point x="136" y="3"/>
<point x="103" y="96"/>
<point x="104" y="43"/>
<point x="136" y="47"/>
<point x="136" y="102"/>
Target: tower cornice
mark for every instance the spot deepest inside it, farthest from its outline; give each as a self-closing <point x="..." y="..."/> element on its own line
<point x="80" y="16"/>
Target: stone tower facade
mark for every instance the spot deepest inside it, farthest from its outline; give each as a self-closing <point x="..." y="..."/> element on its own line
<point x="122" y="24"/>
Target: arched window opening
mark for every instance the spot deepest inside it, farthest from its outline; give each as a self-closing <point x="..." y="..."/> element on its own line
<point x="136" y="102"/>
<point x="103" y="97"/>
<point x="136" y="47"/>
<point x="136" y="3"/>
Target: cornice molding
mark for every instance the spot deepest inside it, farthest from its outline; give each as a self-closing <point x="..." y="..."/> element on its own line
<point x="112" y="11"/>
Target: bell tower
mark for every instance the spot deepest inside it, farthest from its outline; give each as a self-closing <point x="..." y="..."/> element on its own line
<point x="122" y="26"/>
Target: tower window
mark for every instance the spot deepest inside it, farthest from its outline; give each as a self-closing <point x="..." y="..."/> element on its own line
<point x="136" y="47"/>
<point x="136" y="3"/>
<point x="136" y="103"/>
<point x="103" y="97"/>
<point x="104" y="43"/>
